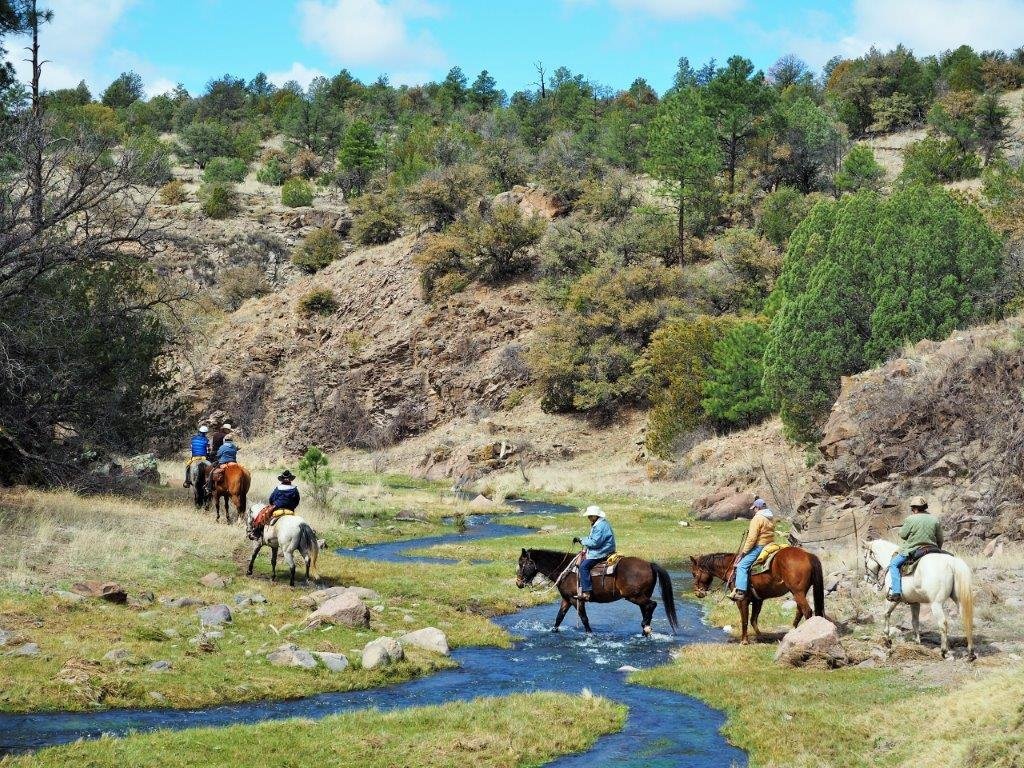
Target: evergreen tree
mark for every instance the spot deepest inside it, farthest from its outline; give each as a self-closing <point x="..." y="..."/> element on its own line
<point x="123" y="91"/>
<point x="484" y="93"/>
<point x="684" y="155"/>
<point x="453" y="88"/>
<point x="360" y="155"/>
<point x="992" y="124"/>
<point x="736" y="97"/>
<point x="860" y="170"/>
<point x="733" y="394"/>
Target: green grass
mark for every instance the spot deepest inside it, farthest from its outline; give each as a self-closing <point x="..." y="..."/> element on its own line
<point x="521" y="730"/>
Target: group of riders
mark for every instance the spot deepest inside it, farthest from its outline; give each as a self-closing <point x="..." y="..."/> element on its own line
<point x="920" y="534"/>
<point x="220" y="449"/>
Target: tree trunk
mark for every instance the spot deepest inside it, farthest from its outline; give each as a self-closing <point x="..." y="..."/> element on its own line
<point x="681" y="223"/>
<point x="731" y="154"/>
<point x="36" y="161"/>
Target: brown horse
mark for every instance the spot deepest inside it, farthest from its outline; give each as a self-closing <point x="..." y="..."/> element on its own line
<point x="633" y="580"/>
<point x="793" y="570"/>
<point x="231" y="482"/>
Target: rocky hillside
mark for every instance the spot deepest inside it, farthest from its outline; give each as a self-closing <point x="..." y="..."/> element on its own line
<point x="945" y="420"/>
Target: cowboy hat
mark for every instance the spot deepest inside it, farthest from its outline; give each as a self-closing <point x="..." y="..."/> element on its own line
<point x="286" y="475"/>
<point x="918" y="502"/>
<point x="203" y="428"/>
<point x="594" y="511"/>
<point x="225" y="425"/>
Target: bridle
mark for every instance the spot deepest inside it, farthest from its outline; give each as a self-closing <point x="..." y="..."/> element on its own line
<point x="520" y="581"/>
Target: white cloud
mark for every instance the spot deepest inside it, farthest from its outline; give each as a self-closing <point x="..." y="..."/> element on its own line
<point x="672" y="9"/>
<point x="371" y="32"/>
<point x="298" y="72"/>
<point x="925" y="26"/>
<point x="159" y="86"/>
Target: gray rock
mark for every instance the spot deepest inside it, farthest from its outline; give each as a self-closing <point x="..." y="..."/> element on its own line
<point x="242" y="601"/>
<point x="159" y="666"/>
<point x="28" y="649"/>
<point x="69" y="598"/>
<point x="182" y="602"/>
<point x="814" y="641"/>
<point x="321" y="596"/>
<point x="117" y="655"/>
<point x="290" y="655"/>
<point x="214" y="615"/>
<point x="788" y="605"/>
<point x="429" y="639"/>
<point x="5" y="636"/>
<point x="345" y="609"/>
<point x="381" y="652"/>
<point x="627" y="668"/>
<point x="213" y="581"/>
<point x="257" y="597"/>
<point x="336" y="662"/>
<point x="143" y="467"/>
<point x="170" y="633"/>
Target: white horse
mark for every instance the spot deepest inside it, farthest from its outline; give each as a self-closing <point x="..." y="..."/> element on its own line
<point x="936" y="578"/>
<point x="291" y="533"/>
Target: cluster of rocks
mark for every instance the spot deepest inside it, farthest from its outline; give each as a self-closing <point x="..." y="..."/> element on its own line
<point x="124" y="476"/>
<point x="947" y="422"/>
<point x="724" y="504"/>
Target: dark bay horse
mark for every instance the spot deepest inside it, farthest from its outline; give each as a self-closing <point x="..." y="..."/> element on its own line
<point x="197" y="473"/>
<point x="633" y="580"/>
<point x="231" y="482"/>
<point x="793" y="570"/>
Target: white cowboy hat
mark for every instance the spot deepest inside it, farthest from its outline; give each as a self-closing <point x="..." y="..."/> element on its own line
<point x="594" y="511"/>
<point x="204" y="428"/>
<point x="226" y="425"/>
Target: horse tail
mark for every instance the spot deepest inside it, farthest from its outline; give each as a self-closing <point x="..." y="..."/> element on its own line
<point x="817" y="585"/>
<point x="309" y="544"/>
<point x="962" y="586"/>
<point x="667" y="599"/>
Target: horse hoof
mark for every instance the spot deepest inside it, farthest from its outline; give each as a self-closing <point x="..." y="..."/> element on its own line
<point x="554" y="629"/>
<point x="648" y="631"/>
<point x="744" y="641"/>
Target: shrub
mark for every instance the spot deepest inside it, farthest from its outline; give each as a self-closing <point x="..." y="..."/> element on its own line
<point x="218" y="200"/>
<point x="378" y="220"/>
<point x="272" y="172"/>
<point x="863" y="276"/>
<point x="224" y="169"/>
<point x="305" y="164"/>
<point x="507" y="162"/>
<point x="238" y="284"/>
<point x="934" y="161"/>
<point x="315" y="471"/>
<point x="296" y="193"/>
<point x="613" y="197"/>
<point x="319" y="248"/>
<point x="860" y="170"/>
<point x="893" y="112"/>
<point x="440" y="196"/>
<point x="781" y="212"/>
<point x="733" y="395"/>
<point x="203" y="141"/>
<point x="173" y="192"/>
<point x="752" y="265"/>
<point x="319" y="301"/>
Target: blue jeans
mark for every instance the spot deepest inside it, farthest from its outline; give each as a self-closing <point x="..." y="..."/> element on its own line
<point x="894" y="572"/>
<point x="586" y="585"/>
<point x="743" y="568"/>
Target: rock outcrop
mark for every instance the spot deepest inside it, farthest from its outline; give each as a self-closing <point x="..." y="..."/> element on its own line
<point x="815" y="642"/>
<point x="345" y="609"/>
<point x="429" y="639"/>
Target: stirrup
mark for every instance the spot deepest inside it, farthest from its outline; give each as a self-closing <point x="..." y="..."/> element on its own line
<point x="894" y="597"/>
<point x="583" y="596"/>
<point x="738" y="594"/>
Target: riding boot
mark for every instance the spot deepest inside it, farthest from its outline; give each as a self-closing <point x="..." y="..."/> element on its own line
<point x="894" y="597"/>
<point x="584" y="596"/>
<point x="737" y="595"/>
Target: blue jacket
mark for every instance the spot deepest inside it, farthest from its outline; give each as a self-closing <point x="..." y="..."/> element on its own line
<point x="601" y="541"/>
<point x="227" y="452"/>
<point x="200" y="444"/>
<point x="285" y="497"/>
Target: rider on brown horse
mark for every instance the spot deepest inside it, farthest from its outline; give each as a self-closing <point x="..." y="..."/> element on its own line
<point x="226" y="454"/>
<point x="760" y="533"/>
<point x="600" y="546"/>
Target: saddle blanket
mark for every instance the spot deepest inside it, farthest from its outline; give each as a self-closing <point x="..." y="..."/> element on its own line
<point x="764" y="560"/>
<point x="908" y="568"/>
<point x="269" y="512"/>
<point x="604" y="568"/>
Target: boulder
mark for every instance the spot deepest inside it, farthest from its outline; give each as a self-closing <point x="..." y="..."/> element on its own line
<point x="321" y="596"/>
<point x="290" y="655"/>
<point x="69" y="598"/>
<point x="345" y="609"/>
<point x="429" y="639"/>
<point x="481" y="503"/>
<point x="214" y="615"/>
<point x="159" y="666"/>
<point x="214" y="581"/>
<point x="381" y="652"/>
<point x="110" y="591"/>
<point x="143" y="467"/>
<point x="730" y="508"/>
<point x="117" y="655"/>
<point x="336" y="662"/>
<point x="182" y="602"/>
<point x="815" y="642"/>
<point x="28" y="649"/>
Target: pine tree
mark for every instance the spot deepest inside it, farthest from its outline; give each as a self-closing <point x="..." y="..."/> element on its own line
<point x="484" y="93"/>
<point x="860" y="170"/>
<point x="736" y="96"/>
<point x="359" y="155"/>
<point x="733" y="393"/>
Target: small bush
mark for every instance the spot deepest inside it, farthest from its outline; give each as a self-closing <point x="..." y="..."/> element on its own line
<point x="781" y="211"/>
<point x="440" y="196"/>
<point x="238" y="284"/>
<point x="225" y="169"/>
<point x="305" y="164"/>
<point x="218" y="200"/>
<point x="935" y="161"/>
<point x="378" y="221"/>
<point x="173" y="193"/>
<point x="317" y="250"/>
<point x="296" y="193"/>
<point x="272" y="172"/>
<point x="319" y="301"/>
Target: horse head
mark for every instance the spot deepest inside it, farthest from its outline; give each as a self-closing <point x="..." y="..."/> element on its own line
<point x="527" y="569"/>
<point x="702" y="576"/>
<point x="250" y="515"/>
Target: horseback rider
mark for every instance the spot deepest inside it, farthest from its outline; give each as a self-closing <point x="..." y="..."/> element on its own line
<point x="600" y="546"/>
<point x="284" y="500"/>
<point x="226" y="454"/>
<point x="760" y="533"/>
<point x="200" y="450"/>
<point x="217" y="438"/>
<point x="920" y="529"/>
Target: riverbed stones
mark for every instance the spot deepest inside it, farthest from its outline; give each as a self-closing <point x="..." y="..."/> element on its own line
<point x="110" y="591"/>
<point x="214" y="581"/>
<point x="815" y="643"/>
<point x="382" y="652"/>
<point x="429" y="639"/>
<point x="345" y="609"/>
<point x="214" y="615"/>
<point x="336" y="662"/>
<point x="290" y="655"/>
<point x="321" y="596"/>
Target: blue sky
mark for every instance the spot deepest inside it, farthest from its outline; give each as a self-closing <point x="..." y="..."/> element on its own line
<point x="610" y="41"/>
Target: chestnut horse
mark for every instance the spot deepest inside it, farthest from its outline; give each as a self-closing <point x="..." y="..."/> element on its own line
<point x="792" y="570"/>
<point x="633" y="580"/>
<point x="231" y="482"/>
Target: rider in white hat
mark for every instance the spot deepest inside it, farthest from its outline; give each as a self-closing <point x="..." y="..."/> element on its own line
<point x="600" y="545"/>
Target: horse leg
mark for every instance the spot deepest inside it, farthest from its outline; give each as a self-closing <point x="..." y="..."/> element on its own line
<point x="744" y="607"/>
<point x="289" y="556"/>
<point x="255" y="551"/>
<point x="888" y="613"/>
<point x="562" y="610"/>
<point x="273" y="563"/>
<point x="755" y="612"/>
<point x="305" y="582"/>
<point x="647" y="613"/>
<point x="940" y="618"/>
<point x="581" y="609"/>
<point x="803" y="608"/>
<point x="915" y="619"/>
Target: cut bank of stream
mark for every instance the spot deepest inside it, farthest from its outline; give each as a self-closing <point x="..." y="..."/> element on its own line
<point x="663" y="728"/>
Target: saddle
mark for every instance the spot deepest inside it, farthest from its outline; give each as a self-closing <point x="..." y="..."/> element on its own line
<point x="910" y="566"/>
<point x="764" y="560"/>
<point x="269" y="515"/>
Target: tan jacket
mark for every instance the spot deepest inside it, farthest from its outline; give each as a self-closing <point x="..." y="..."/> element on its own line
<point x="760" y="532"/>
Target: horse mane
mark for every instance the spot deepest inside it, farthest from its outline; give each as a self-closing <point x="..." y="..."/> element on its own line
<point x="710" y="561"/>
<point x="550" y="558"/>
